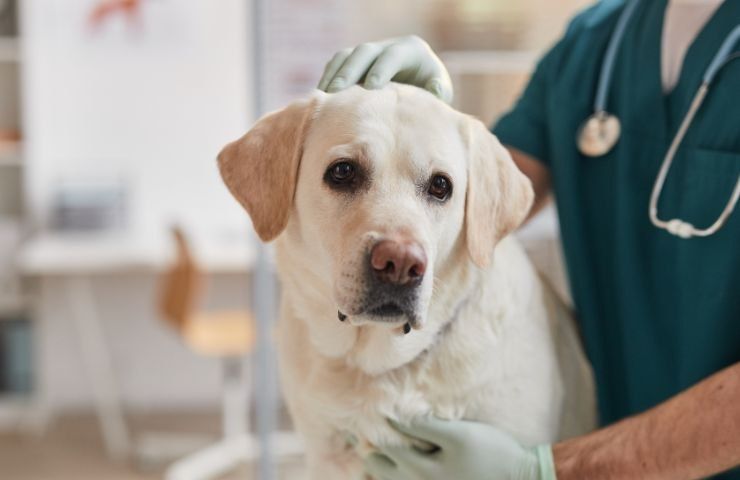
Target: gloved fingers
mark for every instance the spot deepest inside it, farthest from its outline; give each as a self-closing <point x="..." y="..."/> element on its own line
<point x="441" y="86"/>
<point x="429" y="429"/>
<point x="408" y="461"/>
<point x="355" y="66"/>
<point x="400" y="62"/>
<point x="388" y="64"/>
<point x="380" y="467"/>
<point x="423" y="68"/>
<point x="333" y="67"/>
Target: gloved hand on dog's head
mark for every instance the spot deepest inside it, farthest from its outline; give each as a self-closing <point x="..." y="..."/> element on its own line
<point x="407" y="60"/>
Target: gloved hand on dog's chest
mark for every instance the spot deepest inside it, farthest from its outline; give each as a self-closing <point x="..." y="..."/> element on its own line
<point x="467" y="451"/>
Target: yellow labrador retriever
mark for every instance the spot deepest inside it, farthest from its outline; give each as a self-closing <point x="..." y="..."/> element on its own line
<point x="402" y="293"/>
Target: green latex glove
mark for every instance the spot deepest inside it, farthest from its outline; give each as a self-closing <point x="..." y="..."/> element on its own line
<point x="407" y="60"/>
<point x="467" y="451"/>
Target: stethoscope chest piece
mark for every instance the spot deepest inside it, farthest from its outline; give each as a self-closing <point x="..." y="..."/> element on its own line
<point x="598" y="134"/>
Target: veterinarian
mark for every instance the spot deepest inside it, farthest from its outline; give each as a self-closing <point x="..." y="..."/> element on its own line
<point x="632" y="120"/>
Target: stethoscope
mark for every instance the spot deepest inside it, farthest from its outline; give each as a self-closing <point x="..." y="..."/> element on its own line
<point x="601" y="130"/>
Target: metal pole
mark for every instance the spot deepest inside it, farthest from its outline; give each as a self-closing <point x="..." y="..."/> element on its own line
<point x="264" y="293"/>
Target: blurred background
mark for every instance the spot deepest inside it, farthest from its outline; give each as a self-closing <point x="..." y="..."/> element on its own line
<point x="121" y="251"/>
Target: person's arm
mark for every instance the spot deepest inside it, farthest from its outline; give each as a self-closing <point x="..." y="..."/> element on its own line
<point x="538" y="174"/>
<point x="693" y="435"/>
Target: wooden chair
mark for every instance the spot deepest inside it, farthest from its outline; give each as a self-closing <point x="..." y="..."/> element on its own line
<point x="225" y="334"/>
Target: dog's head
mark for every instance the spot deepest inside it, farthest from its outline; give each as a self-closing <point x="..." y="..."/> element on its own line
<point x="380" y="191"/>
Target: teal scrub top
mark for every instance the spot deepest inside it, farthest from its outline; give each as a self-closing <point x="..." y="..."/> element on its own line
<point x="658" y="313"/>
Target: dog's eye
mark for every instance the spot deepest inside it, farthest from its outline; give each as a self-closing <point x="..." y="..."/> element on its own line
<point x="341" y="172"/>
<point x="440" y="187"/>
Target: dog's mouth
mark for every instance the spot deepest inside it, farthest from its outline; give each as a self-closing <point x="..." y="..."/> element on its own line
<point x="386" y="310"/>
<point x="390" y="313"/>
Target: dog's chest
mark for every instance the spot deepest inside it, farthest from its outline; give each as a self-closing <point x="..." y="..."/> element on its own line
<point x="357" y="405"/>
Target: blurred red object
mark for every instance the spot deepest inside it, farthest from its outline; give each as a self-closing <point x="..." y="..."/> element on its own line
<point x="10" y="135"/>
<point x="9" y="141"/>
<point x="108" y="8"/>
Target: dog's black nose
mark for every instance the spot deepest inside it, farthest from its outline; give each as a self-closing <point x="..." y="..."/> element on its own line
<point x="398" y="262"/>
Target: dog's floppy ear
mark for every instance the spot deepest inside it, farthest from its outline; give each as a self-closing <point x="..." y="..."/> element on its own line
<point x="261" y="168"/>
<point x="499" y="195"/>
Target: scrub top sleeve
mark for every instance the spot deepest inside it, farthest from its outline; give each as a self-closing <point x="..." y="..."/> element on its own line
<point x="525" y="127"/>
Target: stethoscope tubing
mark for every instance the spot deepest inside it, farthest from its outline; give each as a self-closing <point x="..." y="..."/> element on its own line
<point x="724" y="55"/>
<point x="677" y="226"/>
<point x="605" y="75"/>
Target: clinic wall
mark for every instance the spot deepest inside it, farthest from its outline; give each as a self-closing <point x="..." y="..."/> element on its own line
<point x="149" y="104"/>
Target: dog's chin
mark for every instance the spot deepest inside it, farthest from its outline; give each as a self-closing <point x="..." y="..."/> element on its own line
<point x="390" y="314"/>
<point x="386" y="313"/>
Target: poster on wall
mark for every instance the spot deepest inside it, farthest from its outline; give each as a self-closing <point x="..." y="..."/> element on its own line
<point x="299" y="37"/>
<point x="125" y="27"/>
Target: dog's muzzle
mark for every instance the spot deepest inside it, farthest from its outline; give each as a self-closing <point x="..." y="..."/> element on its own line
<point x="394" y="272"/>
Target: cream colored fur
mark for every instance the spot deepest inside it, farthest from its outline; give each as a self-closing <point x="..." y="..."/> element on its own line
<point x="489" y="345"/>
